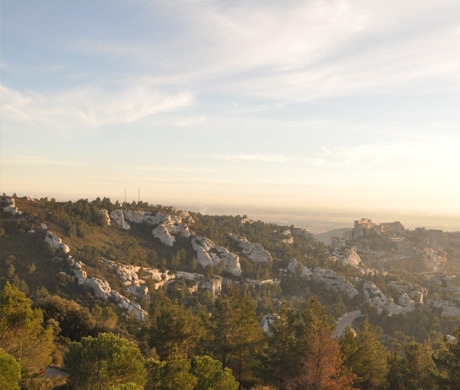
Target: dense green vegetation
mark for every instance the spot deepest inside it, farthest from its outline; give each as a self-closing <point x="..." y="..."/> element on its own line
<point x="197" y="340"/>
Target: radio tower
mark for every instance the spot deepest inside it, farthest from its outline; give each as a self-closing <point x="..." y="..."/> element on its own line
<point x="138" y="195"/>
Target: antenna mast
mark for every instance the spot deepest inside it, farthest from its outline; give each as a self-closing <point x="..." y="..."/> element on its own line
<point x="138" y="195"/>
<point x="125" y="195"/>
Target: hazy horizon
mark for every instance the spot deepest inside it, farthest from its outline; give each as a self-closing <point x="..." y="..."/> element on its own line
<point x="316" y="220"/>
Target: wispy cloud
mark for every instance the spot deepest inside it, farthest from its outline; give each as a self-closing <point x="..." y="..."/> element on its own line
<point x="92" y="105"/>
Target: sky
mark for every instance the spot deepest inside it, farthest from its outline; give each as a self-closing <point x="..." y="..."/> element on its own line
<point x="299" y="106"/>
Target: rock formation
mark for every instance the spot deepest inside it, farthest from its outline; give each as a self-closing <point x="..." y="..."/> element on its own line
<point x="254" y="252"/>
<point x="55" y="242"/>
<point x="170" y="225"/>
<point x="375" y="296"/>
<point x="329" y="278"/>
<point x="105" y="213"/>
<point x="118" y="217"/>
<point x="210" y="254"/>
<point x="9" y="206"/>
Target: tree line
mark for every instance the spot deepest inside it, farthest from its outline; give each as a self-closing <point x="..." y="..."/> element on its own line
<point x="225" y="349"/>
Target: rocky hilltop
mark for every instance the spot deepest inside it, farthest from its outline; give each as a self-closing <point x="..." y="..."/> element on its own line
<point x="122" y="255"/>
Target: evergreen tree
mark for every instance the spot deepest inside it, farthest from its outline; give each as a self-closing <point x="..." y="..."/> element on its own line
<point x="10" y="372"/>
<point x="367" y="357"/>
<point x="281" y="343"/>
<point x="448" y="363"/>
<point x="210" y="374"/>
<point x="22" y="334"/>
<point x="318" y="362"/>
<point x="171" y="374"/>
<point x="175" y="330"/>
<point x="236" y="334"/>
<point x="104" y="362"/>
<point x="413" y="370"/>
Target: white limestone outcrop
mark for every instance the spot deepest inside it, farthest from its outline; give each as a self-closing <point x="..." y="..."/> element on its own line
<point x="101" y="288"/>
<point x="375" y="296"/>
<point x="449" y="309"/>
<point x="404" y="300"/>
<point x="210" y="254"/>
<point x="348" y="256"/>
<point x="131" y="307"/>
<point x="138" y="291"/>
<point x="304" y="233"/>
<point x="329" y="278"/>
<point x="304" y="272"/>
<point x="127" y="273"/>
<point x="55" y="242"/>
<point x="266" y="322"/>
<point x="140" y="314"/>
<point x="105" y="213"/>
<point x="170" y="225"/>
<point x="254" y="252"/>
<point x="118" y="217"/>
<point x="153" y="273"/>
<point x="9" y="206"/>
<point x="415" y="293"/>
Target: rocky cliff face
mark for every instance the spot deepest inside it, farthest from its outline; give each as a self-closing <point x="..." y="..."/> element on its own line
<point x="119" y="218"/>
<point x="171" y="225"/>
<point x="348" y="256"/>
<point x="254" y="252"/>
<point x="210" y="254"/>
<point x="375" y="296"/>
<point x="329" y="278"/>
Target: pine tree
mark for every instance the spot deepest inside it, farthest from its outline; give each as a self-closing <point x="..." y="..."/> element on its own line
<point x="281" y="343"/>
<point x="320" y="363"/>
<point x="236" y="334"/>
<point x="367" y="357"/>
<point x="448" y="363"/>
<point x="22" y="334"/>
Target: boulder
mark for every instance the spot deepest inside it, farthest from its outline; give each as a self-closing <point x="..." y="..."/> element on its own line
<point x="404" y="300"/>
<point x="266" y="322"/>
<point x="127" y="273"/>
<point x="162" y="233"/>
<point x="140" y="314"/>
<point x="303" y="233"/>
<point x="208" y="253"/>
<point x="153" y="273"/>
<point x="105" y="213"/>
<point x="254" y="252"/>
<point x="329" y="278"/>
<point x="135" y="216"/>
<point x="138" y="291"/>
<point x="348" y="256"/>
<point x="55" y="242"/>
<point x="9" y="206"/>
<point x="154" y="219"/>
<point x="80" y="275"/>
<point x="170" y="225"/>
<point x="101" y="288"/>
<point x="118" y="217"/>
<point x="375" y="296"/>
<point x="333" y="281"/>
<point x="122" y="301"/>
<point x="293" y="267"/>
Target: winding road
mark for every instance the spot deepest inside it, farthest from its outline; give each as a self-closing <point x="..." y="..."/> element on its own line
<point x="348" y="318"/>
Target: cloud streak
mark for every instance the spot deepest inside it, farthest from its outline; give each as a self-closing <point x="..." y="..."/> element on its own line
<point x="91" y="105"/>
